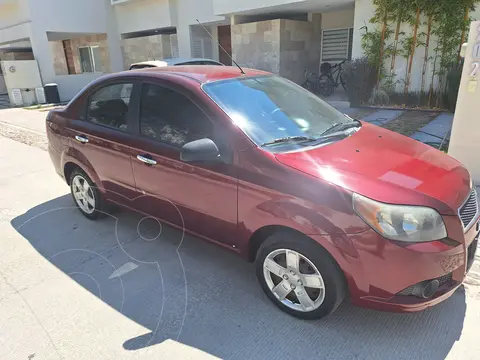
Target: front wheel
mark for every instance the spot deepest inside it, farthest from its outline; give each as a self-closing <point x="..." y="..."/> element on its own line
<point x="299" y="276"/>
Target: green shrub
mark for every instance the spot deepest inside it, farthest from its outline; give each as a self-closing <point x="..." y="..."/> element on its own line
<point x="360" y="76"/>
<point x="453" y="84"/>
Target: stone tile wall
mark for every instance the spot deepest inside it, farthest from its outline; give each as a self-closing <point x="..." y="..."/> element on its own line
<point x="60" y="61"/>
<point x="91" y="40"/>
<point x="257" y="45"/>
<point x="155" y="47"/>
<point x="285" y="47"/>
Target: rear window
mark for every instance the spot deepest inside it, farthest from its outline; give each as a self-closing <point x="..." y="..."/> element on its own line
<point x="200" y="62"/>
<point x="137" y="67"/>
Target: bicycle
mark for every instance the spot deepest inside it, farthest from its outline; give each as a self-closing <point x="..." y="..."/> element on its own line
<point x="331" y="77"/>
<point x="311" y="81"/>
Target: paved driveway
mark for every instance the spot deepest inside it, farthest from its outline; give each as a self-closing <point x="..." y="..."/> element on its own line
<point x="120" y="288"/>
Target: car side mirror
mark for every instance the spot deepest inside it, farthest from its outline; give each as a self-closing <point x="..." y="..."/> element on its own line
<point x="200" y="150"/>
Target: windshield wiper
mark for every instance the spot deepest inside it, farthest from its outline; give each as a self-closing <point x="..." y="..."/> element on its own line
<point x="289" y="139"/>
<point x="337" y="127"/>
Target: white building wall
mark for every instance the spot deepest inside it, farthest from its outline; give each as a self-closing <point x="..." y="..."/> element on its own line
<point x="77" y="17"/>
<point x="364" y="11"/>
<point x="13" y="12"/>
<point x="465" y="143"/>
<point x="189" y="11"/>
<point x="142" y="15"/>
<point x="15" y="32"/>
<point x="222" y="7"/>
<point x="87" y="16"/>
<point x="338" y="19"/>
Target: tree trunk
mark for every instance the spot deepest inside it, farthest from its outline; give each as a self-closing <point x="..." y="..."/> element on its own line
<point x="427" y="45"/>
<point x="412" y="54"/>
<point x="463" y="35"/>
<point x="395" y="46"/>
<point x="382" y="48"/>
<point x="433" y="80"/>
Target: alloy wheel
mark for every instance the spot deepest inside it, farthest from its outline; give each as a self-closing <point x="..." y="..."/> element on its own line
<point x="83" y="194"/>
<point x="294" y="280"/>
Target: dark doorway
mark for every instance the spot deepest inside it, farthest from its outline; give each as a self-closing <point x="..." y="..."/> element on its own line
<point x="225" y="39"/>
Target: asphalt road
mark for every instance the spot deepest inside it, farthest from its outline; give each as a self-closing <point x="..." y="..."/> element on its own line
<point x="123" y="288"/>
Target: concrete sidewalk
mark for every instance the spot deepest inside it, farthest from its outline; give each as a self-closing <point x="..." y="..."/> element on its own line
<point x="32" y="120"/>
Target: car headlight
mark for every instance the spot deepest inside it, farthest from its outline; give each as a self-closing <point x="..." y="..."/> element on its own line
<point x="400" y="222"/>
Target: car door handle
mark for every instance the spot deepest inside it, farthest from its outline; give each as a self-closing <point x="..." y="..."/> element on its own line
<point x="81" y="139"/>
<point x="146" y="160"/>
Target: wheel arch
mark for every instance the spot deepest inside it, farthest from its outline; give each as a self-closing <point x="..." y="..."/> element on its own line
<point x="68" y="168"/>
<point x="260" y="235"/>
<point x="70" y="161"/>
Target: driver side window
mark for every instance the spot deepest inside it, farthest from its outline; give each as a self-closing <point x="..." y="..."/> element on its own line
<point x="170" y="117"/>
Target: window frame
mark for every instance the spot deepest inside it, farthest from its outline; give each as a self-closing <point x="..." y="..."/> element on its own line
<point x="92" y="58"/>
<point x="132" y="106"/>
<point x="178" y="90"/>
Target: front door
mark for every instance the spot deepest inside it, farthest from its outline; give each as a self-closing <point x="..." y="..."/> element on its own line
<point x="225" y="40"/>
<point x="202" y="197"/>
<point x="102" y="139"/>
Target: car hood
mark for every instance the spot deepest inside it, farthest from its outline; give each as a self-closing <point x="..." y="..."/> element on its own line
<point x="387" y="167"/>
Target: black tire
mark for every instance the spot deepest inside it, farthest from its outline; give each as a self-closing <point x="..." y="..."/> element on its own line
<point x="308" y="85"/>
<point x="334" y="281"/>
<point x="344" y="83"/>
<point x="326" y="85"/>
<point x="99" y="207"/>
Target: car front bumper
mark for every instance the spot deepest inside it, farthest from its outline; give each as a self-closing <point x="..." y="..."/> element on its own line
<point x="379" y="271"/>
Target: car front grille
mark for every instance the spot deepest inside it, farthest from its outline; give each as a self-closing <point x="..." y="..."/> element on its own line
<point x="469" y="209"/>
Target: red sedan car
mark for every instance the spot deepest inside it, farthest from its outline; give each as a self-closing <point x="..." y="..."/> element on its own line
<point x="325" y="205"/>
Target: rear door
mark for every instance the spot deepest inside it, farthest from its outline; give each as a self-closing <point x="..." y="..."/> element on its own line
<point x="200" y="197"/>
<point x="102" y="135"/>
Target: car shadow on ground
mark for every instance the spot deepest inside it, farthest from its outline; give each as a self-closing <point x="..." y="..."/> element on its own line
<point x="209" y="299"/>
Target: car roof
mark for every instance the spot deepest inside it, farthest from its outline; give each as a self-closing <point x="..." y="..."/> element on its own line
<point x="172" y="61"/>
<point x="202" y="73"/>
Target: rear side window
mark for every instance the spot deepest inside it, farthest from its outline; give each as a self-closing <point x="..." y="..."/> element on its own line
<point x="109" y="106"/>
<point x="170" y="117"/>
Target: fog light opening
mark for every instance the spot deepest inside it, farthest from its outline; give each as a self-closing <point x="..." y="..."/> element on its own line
<point x="426" y="289"/>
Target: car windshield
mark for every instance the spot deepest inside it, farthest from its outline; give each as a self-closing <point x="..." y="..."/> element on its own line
<point x="270" y="109"/>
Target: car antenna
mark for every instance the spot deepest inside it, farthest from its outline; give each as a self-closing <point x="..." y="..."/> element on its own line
<point x="221" y="47"/>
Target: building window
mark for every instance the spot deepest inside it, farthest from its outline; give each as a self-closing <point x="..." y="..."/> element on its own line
<point x="90" y="59"/>
<point x="202" y="45"/>
<point x="337" y="45"/>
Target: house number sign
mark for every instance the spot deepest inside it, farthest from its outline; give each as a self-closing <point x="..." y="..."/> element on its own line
<point x="476" y="54"/>
<point x="472" y="84"/>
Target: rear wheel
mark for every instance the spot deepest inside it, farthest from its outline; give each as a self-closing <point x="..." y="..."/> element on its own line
<point x="326" y="85"/>
<point x="86" y="195"/>
<point x="299" y="276"/>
